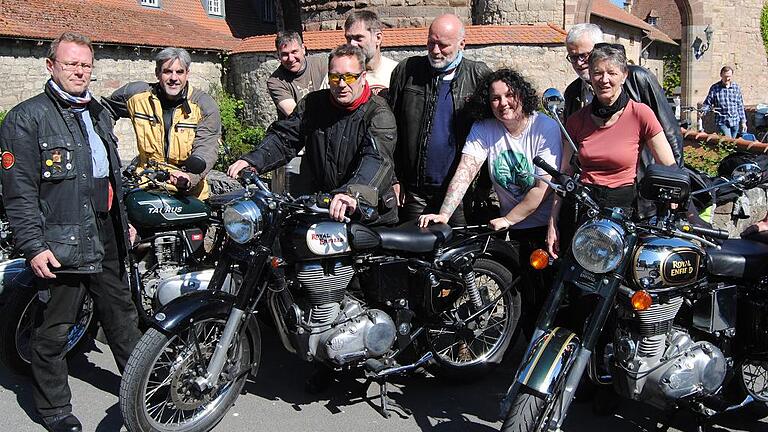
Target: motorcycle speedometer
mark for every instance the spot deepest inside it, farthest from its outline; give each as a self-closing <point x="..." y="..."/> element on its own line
<point x="598" y="246"/>
<point x="243" y="221"/>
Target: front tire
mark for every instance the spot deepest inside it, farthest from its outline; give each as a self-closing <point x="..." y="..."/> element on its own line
<point x="525" y="414"/>
<point x="157" y="391"/>
<point x="480" y="347"/>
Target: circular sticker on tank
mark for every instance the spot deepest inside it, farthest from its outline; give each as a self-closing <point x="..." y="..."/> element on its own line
<point x="327" y="238"/>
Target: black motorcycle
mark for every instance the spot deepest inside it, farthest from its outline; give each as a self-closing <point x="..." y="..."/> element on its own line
<point x="665" y="313"/>
<point x="168" y="259"/>
<point x="343" y="295"/>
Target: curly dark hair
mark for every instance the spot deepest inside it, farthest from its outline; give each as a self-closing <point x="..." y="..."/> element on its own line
<point x="479" y="104"/>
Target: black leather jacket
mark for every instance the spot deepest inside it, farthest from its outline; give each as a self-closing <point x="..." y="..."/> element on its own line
<point x="642" y="86"/>
<point x="412" y="95"/>
<point x="47" y="191"/>
<point x="345" y="152"/>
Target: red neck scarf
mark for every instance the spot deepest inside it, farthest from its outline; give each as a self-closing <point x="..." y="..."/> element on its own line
<point x="359" y="101"/>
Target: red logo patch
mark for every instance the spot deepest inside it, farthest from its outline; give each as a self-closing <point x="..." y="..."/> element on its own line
<point x="8" y="159"/>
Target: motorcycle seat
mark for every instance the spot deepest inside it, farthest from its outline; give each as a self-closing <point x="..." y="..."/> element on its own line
<point x="736" y="258"/>
<point x="410" y="238"/>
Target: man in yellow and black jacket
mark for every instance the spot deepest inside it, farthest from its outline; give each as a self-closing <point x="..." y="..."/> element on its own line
<point x="172" y="120"/>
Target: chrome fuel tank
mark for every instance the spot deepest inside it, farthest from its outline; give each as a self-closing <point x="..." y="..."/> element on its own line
<point x="660" y="262"/>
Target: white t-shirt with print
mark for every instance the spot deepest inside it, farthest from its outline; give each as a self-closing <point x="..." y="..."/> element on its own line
<point x="510" y="160"/>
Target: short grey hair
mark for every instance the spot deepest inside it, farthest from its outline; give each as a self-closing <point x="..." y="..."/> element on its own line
<point x="172" y="53"/>
<point x="348" y="50"/>
<point x="613" y="53"/>
<point x="584" y="29"/>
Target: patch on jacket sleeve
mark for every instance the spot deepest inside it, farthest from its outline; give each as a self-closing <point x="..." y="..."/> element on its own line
<point x="8" y="159"/>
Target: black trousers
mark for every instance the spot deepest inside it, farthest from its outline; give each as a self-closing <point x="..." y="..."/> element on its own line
<point x="419" y="202"/>
<point x="113" y="307"/>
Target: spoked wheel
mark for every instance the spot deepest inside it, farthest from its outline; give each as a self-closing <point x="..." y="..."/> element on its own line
<point x="754" y="377"/>
<point x="158" y="391"/>
<point x="480" y="344"/>
<point x="17" y="319"/>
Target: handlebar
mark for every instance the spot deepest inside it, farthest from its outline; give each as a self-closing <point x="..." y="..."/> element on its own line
<point x="707" y="232"/>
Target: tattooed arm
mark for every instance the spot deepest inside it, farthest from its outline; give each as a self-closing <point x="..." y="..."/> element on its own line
<point x="468" y="168"/>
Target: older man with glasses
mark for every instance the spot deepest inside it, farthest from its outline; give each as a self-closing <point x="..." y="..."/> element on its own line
<point x="641" y="86"/>
<point x="348" y="135"/>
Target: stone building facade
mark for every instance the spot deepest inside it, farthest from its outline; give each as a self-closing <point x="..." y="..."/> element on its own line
<point x="329" y="15"/>
<point x="22" y="63"/>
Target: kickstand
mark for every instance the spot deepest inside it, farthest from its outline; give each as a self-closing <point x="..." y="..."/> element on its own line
<point x="384" y="398"/>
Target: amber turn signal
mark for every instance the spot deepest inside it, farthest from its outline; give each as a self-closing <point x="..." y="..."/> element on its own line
<point x="641" y="300"/>
<point x="539" y="259"/>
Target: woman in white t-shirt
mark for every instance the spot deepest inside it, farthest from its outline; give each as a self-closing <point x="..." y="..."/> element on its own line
<point x="509" y="134"/>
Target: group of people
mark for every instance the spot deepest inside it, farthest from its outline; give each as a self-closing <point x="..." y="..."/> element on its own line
<point x="408" y="138"/>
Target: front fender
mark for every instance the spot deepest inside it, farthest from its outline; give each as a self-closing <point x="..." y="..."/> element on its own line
<point x="548" y="360"/>
<point x="178" y="313"/>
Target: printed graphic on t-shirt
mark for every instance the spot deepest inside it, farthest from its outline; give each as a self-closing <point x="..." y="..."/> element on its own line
<point x="512" y="169"/>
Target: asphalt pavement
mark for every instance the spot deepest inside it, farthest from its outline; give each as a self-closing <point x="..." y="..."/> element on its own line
<point x="276" y="402"/>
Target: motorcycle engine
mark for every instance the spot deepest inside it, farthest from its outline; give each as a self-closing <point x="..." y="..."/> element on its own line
<point x="163" y="260"/>
<point x="335" y="327"/>
<point x="658" y="364"/>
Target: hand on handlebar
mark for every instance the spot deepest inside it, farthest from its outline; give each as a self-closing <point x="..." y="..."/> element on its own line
<point x="341" y="204"/>
<point x="236" y="167"/>
<point x="179" y="179"/>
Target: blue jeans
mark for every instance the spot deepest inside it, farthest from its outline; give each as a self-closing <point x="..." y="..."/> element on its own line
<point x="729" y="131"/>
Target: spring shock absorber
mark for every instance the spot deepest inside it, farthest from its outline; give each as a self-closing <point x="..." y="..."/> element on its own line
<point x="472" y="291"/>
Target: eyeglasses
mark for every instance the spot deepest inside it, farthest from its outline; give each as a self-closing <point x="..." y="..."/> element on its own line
<point x="349" y="78"/>
<point x="575" y="58"/>
<point x="72" y="66"/>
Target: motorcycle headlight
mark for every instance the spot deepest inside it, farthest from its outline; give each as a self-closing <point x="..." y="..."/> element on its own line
<point x="598" y="246"/>
<point x="243" y="221"/>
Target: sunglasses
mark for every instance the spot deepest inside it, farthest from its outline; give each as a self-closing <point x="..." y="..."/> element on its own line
<point x="349" y="78"/>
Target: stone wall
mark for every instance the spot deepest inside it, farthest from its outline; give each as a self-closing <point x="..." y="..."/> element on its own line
<point x="518" y="12"/>
<point x="544" y="66"/>
<point x="329" y="15"/>
<point x="22" y="64"/>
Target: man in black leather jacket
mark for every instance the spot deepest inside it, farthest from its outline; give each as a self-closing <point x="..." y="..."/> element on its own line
<point x="641" y="85"/>
<point x="428" y="94"/>
<point x="61" y="187"/>
<point x="348" y="135"/>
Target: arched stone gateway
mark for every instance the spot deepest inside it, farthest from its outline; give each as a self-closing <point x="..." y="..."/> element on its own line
<point x="713" y="34"/>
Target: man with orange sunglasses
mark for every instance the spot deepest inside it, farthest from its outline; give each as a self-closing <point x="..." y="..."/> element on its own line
<point x="348" y="135"/>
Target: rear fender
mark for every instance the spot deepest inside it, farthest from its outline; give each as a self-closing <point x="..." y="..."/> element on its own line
<point x="501" y="251"/>
<point x="548" y="360"/>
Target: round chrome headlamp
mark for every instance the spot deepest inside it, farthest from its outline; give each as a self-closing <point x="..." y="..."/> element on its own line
<point x="598" y="246"/>
<point x="243" y="221"/>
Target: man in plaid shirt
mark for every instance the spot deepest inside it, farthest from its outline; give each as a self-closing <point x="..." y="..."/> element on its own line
<point x="725" y="96"/>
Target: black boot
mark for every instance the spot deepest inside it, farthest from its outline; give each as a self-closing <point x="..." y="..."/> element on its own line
<point x="63" y="423"/>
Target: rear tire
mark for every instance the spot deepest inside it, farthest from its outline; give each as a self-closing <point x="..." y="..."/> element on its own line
<point x="525" y="414"/>
<point x="463" y="356"/>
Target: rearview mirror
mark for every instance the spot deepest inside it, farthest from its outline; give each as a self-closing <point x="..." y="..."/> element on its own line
<point x="553" y="101"/>
<point x="749" y="175"/>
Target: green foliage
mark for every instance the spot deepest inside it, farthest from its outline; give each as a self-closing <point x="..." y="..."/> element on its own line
<point x="671" y="73"/>
<point x="238" y="137"/>
<point x="706" y="157"/>
<point x="764" y="26"/>
<point x="2" y="116"/>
